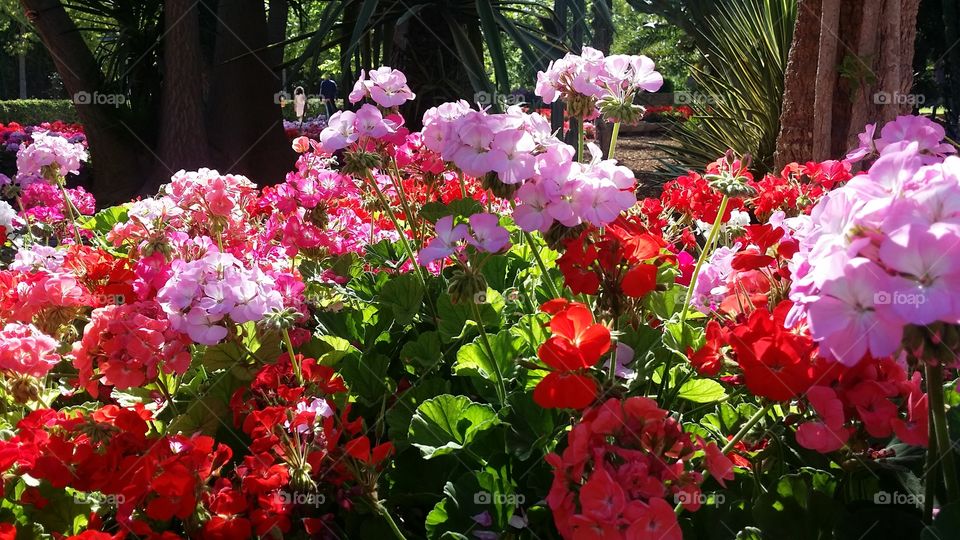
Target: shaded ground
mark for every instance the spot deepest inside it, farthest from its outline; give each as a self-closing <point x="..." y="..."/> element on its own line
<point x="638" y="152"/>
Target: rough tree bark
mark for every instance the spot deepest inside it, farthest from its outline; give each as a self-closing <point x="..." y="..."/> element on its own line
<point x="223" y="116"/>
<point x="183" y="138"/>
<point x="825" y="107"/>
<point x="116" y="156"/>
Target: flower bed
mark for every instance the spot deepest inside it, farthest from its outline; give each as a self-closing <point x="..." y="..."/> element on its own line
<point x="478" y="331"/>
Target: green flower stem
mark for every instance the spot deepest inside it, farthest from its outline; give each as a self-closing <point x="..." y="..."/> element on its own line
<point x="382" y="510"/>
<point x="293" y="356"/>
<point x="703" y="257"/>
<point x="407" y="211"/>
<point x="746" y="428"/>
<point x="939" y="429"/>
<point x="73" y="218"/>
<point x="463" y="185"/>
<point x="501" y="388"/>
<point x="28" y="237"/>
<point x="396" y="224"/>
<point x="528" y="238"/>
<point x="613" y="140"/>
<point x="580" y="141"/>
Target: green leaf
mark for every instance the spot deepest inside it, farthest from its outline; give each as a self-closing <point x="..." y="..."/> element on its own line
<point x="702" y="391"/>
<point x="473" y="359"/>
<point x="448" y="423"/>
<point x="456" y="318"/>
<point x="366" y="376"/>
<point x="432" y="211"/>
<point x="105" y="219"/>
<point x="403" y="294"/>
<point x="399" y="415"/>
<point x="424" y="351"/>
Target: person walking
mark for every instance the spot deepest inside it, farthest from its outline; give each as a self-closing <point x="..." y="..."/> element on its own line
<point x="328" y="91"/>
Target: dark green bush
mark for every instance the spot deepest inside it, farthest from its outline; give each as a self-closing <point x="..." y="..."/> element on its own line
<point x="35" y="111"/>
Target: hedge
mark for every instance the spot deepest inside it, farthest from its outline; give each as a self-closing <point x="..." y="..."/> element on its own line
<point x="35" y="111"/>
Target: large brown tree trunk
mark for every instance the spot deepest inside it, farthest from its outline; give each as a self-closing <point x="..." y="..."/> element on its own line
<point x="824" y="107"/>
<point x="118" y="158"/>
<point x="245" y="127"/>
<point x="183" y="137"/>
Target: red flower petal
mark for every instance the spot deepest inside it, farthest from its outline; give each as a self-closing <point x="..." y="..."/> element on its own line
<point x="640" y="280"/>
<point x="565" y="391"/>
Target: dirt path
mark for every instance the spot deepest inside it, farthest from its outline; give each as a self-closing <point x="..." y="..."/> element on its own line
<point x="642" y="156"/>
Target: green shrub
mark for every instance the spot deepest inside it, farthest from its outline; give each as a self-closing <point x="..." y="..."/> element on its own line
<point x="35" y="111"/>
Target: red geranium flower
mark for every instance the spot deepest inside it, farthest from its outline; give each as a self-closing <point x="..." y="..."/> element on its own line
<point x="577" y="342"/>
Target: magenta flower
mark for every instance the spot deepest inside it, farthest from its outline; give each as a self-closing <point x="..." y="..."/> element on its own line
<point x="853" y="316"/>
<point x="25" y="350"/>
<point x="925" y="290"/>
<point x="369" y="121"/>
<point x="488" y="235"/>
<point x="511" y="156"/>
<point x="340" y="131"/>
<point x="445" y="243"/>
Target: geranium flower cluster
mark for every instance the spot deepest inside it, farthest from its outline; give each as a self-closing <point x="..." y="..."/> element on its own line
<point x="303" y="456"/>
<point x="152" y="479"/>
<point x="856" y="404"/>
<point x="736" y="279"/>
<point x="321" y="210"/>
<point x="581" y="80"/>
<point x="625" y="465"/>
<point x="622" y="261"/>
<point x="202" y="295"/>
<point x="14" y="135"/>
<point x="43" y="203"/>
<point x="47" y="157"/>
<point x="484" y="234"/>
<point x="874" y="258"/>
<point x="25" y="350"/>
<point x="387" y="87"/>
<point x="524" y="157"/>
<point x="127" y="346"/>
<point x="576" y="344"/>
<point x="347" y="127"/>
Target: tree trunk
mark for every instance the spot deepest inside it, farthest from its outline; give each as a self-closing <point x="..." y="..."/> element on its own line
<point x="117" y="156"/>
<point x="795" y="142"/>
<point x="423" y="47"/>
<point x="277" y="31"/>
<point x="876" y="79"/>
<point x="245" y="127"/>
<point x="183" y="138"/>
<point x="951" y="65"/>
